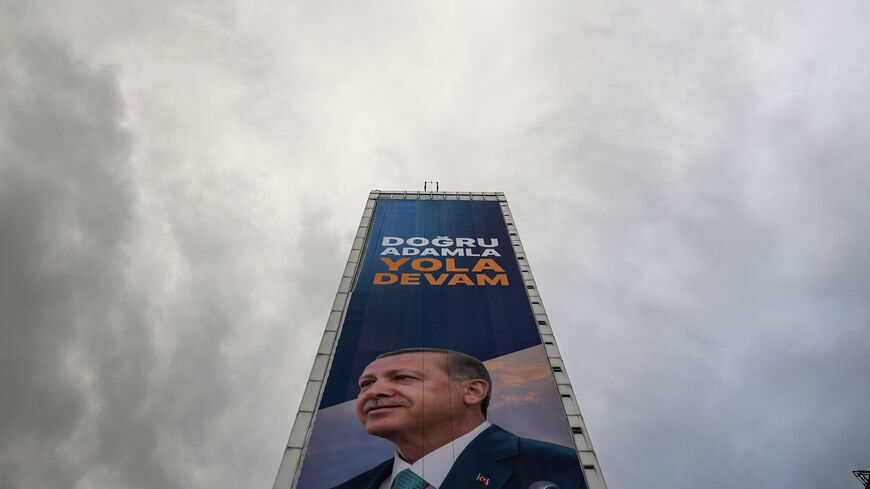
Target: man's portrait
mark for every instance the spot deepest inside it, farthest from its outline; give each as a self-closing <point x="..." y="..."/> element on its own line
<point x="431" y="405"/>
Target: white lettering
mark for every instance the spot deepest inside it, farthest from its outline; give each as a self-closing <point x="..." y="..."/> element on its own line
<point x="442" y="241"/>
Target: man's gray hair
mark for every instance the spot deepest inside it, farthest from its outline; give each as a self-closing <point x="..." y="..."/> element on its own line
<point x="458" y="366"/>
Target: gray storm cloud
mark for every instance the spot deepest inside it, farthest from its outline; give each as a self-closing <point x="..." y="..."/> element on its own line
<point x="180" y="184"/>
<point x="65" y="205"/>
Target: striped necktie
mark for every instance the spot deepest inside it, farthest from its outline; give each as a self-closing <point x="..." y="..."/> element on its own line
<point x="409" y="480"/>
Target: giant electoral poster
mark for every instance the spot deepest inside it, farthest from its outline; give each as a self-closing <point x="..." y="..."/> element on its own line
<point x="439" y="275"/>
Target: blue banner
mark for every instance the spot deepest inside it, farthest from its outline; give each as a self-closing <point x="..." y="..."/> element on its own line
<point x="438" y="274"/>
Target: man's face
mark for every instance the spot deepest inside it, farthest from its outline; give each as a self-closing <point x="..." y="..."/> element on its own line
<point x="405" y="395"/>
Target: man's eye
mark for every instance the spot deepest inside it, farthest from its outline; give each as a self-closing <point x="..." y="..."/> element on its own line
<point x="363" y="385"/>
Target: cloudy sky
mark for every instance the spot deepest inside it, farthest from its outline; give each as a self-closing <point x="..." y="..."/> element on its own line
<point x="180" y="183"/>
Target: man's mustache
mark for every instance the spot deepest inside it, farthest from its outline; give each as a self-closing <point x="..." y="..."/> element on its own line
<point x="383" y="403"/>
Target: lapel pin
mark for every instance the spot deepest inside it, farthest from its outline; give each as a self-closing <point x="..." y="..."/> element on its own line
<point x="482" y="479"/>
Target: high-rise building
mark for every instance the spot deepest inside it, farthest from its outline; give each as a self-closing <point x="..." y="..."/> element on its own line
<point x="443" y="271"/>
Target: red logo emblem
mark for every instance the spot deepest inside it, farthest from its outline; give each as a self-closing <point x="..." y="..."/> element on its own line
<point x="482" y="479"/>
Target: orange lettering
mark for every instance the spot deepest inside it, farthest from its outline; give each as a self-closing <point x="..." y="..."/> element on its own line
<point x="410" y="279"/>
<point x="460" y="277"/>
<point x="486" y="264"/>
<point x="451" y="266"/>
<point x="500" y="279"/>
<point x="433" y="281"/>
<point x="385" y="278"/>
<point x="393" y="265"/>
<point x="418" y="264"/>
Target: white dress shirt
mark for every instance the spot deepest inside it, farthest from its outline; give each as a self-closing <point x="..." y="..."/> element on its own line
<point x="433" y="468"/>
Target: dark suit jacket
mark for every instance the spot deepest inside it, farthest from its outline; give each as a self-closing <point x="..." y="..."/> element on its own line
<point x="506" y="460"/>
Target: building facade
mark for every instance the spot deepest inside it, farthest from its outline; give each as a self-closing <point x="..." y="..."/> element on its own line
<point x="443" y="270"/>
